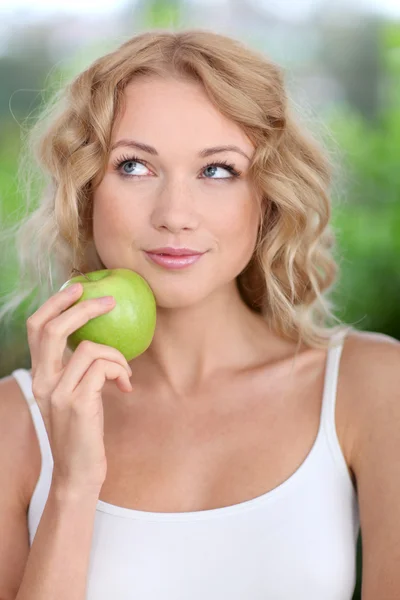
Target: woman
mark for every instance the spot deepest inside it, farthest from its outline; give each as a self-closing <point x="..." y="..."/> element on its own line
<point x="235" y="462"/>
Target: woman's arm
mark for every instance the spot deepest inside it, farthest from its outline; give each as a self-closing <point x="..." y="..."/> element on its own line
<point x="56" y="565"/>
<point x="59" y="557"/>
<point x="373" y="363"/>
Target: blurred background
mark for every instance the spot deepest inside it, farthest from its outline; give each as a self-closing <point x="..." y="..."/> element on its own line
<point x="342" y="64"/>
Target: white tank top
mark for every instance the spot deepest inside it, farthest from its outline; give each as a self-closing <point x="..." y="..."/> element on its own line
<point x="297" y="541"/>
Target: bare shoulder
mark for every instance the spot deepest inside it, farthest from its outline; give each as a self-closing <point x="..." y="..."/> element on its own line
<point x="377" y="348"/>
<point x="369" y="379"/>
<point x="370" y="366"/>
<point x="18" y="438"/>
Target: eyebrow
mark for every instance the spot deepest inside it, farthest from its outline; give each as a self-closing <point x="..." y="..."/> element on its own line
<point x="202" y="154"/>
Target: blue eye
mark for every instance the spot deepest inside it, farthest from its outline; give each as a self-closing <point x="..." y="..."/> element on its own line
<point x="132" y="161"/>
<point x="224" y="166"/>
<point x="128" y="163"/>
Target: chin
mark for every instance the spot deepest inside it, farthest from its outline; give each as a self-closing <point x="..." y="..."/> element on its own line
<point x="177" y="299"/>
<point x="178" y="294"/>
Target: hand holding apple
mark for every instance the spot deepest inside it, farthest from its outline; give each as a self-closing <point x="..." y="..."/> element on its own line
<point x="129" y="326"/>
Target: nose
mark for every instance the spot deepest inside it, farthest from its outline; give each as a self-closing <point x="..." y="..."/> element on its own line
<point x="174" y="208"/>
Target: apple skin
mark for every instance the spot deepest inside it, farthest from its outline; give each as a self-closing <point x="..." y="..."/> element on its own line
<point x="129" y="326"/>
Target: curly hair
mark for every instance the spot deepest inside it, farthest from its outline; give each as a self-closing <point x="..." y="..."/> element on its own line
<point x="292" y="268"/>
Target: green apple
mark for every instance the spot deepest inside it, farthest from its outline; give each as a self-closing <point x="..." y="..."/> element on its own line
<point x="129" y="326"/>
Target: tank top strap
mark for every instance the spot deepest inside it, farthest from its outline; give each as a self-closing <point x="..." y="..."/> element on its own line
<point x="24" y="380"/>
<point x="331" y="377"/>
<point x="328" y="421"/>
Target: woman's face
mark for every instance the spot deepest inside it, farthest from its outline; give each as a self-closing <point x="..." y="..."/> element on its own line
<point x="169" y="197"/>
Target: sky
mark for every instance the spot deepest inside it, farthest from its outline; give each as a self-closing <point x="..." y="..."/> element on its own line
<point x="23" y="9"/>
<point x="300" y="8"/>
<point x="11" y="7"/>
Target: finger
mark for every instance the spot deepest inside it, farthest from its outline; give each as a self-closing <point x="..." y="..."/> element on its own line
<point x="54" y="306"/>
<point x="86" y="353"/>
<point x="95" y="377"/>
<point x="55" y="333"/>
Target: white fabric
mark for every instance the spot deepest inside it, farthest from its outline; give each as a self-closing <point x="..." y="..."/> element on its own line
<point x="296" y="542"/>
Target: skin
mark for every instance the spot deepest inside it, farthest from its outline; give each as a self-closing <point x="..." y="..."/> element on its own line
<point x="204" y="328"/>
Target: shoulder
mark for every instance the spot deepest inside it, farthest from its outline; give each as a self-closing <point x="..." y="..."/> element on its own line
<point x="369" y="390"/>
<point x="367" y="356"/>
<point x="18" y="438"/>
<point x="371" y="382"/>
<point x="370" y="365"/>
<point x="369" y="378"/>
<point x="361" y="346"/>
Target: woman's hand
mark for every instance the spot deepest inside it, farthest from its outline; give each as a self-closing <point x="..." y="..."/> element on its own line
<point x="70" y="396"/>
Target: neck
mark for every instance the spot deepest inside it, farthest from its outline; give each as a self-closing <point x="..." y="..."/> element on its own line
<point x="192" y="344"/>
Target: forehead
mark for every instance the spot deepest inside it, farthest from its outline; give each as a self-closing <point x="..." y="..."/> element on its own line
<point x="160" y="110"/>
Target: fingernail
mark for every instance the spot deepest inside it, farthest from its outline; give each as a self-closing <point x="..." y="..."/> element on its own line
<point x="73" y="288"/>
<point x="106" y="299"/>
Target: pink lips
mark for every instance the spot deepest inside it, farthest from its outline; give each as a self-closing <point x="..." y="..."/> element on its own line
<point x="173" y="262"/>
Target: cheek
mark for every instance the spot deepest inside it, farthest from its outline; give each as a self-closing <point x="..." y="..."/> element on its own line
<point x="112" y="229"/>
<point x="105" y="220"/>
<point x="111" y="212"/>
<point x="239" y="227"/>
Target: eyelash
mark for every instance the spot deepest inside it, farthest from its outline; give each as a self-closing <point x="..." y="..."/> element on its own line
<point x="223" y="164"/>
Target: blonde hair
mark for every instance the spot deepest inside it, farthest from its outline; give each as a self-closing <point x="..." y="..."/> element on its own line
<point x="292" y="268"/>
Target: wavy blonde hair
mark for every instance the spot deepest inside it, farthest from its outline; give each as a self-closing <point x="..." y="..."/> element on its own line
<point x="292" y="268"/>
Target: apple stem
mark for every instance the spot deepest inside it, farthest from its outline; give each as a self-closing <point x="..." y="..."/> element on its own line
<point x="80" y="273"/>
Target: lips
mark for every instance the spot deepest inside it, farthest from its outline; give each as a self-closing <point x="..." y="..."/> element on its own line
<point x="169" y="261"/>
<point x="169" y="251"/>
